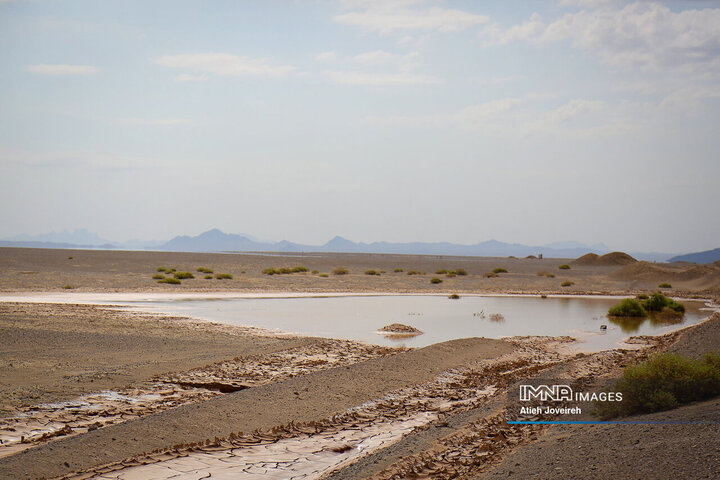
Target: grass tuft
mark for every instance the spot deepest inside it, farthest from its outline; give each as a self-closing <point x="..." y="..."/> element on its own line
<point x="223" y="276"/>
<point x="435" y="280"/>
<point x="183" y="275"/>
<point x="664" y="285"/>
<point x="170" y="280"/>
<point x="567" y="283"/>
<point x="499" y="270"/>
<point x="564" y="266"/>
<point x="340" y="271"/>
<point x="158" y="276"/>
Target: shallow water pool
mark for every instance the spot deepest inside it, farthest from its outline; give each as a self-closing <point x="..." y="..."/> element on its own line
<point x="440" y="318"/>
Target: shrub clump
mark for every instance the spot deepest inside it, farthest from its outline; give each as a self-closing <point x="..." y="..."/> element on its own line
<point x="664" y="285"/>
<point x="67" y="286"/>
<point x="663" y="382"/>
<point x="223" y="276"/>
<point x="567" y="283"/>
<point x="204" y="270"/>
<point x="183" y="275"/>
<point x="162" y="269"/>
<point x="461" y="271"/>
<point x="491" y="275"/>
<point x="158" y="276"/>
<point x="499" y="270"/>
<point x="454" y="296"/>
<point x="629" y="307"/>
<point x="315" y="272"/>
<point x="435" y="280"/>
<point x="657" y="302"/>
<point x="415" y="272"/>
<point x="398" y="270"/>
<point x="340" y="271"/>
<point x="285" y="270"/>
<point x="441" y="272"/>
<point x="372" y="272"/>
<point x="208" y="277"/>
<point x="564" y="266"/>
<point x="323" y="275"/>
<point x="170" y="280"/>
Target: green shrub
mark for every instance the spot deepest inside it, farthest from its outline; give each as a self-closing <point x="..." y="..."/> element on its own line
<point x="372" y="272"/>
<point x="550" y="275"/>
<point x="340" y="271"/>
<point x="158" y="276"/>
<point x="415" y="272"/>
<point x="398" y="270"/>
<point x="171" y="280"/>
<point x="208" y="277"/>
<point x="67" y="286"/>
<point x="499" y="270"/>
<point x="441" y="272"/>
<point x="269" y="271"/>
<point x="435" y="280"/>
<point x="662" y="382"/>
<point x="170" y="270"/>
<point x="323" y="275"/>
<point x="567" y="283"/>
<point x="70" y="258"/>
<point x="564" y="266"/>
<point x="223" y="276"/>
<point x="658" y="301"/>
<point x="461" y="271"/>
<point x="454" y="296"/>
<point x="315" y="272"/>
<point x="183" y="275"/>
<point x="205" y="270"/>
<point x="664" y="285"/>
<point x="629" y="307"/>
<point x="161" y="269"/>
<point x="641" y="296"/>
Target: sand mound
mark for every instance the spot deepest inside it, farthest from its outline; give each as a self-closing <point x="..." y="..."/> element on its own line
<point x="607" y="260"/>
<point x="587" y="259"/>
<point x="616" y="258"/>
<point x="650" y="272"/>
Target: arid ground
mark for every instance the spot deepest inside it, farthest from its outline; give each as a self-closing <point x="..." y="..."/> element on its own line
<point x="93" y="392"/>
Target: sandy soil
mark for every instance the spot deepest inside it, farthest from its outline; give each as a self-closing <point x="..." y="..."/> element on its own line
<point x="55" y="352"/>
<point x="102" y="271"/>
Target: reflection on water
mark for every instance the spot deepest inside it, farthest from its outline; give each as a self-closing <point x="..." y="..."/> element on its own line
<point x="632" y="324"/>
<point x="360" y="317"/>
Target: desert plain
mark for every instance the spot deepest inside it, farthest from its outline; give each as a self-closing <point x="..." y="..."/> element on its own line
<point x="91" y="391"/>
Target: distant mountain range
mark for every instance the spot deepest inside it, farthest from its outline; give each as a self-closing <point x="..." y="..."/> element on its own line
<point x="218" y="241"/>
<point x="708" y="256"/>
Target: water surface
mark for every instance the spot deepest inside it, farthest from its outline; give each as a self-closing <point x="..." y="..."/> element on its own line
<point x="359" y="317"/>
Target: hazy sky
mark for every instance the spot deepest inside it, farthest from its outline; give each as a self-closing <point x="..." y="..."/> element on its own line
<point x="407" y="120"/>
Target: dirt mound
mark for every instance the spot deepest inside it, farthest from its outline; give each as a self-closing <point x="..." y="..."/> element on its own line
<point x="616" y="258"/>
<point x="400" y="328"/>
<point x="587" y="259"/>
<point x="607" y="260"/>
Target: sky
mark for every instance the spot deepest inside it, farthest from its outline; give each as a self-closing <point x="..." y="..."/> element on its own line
<point x="395" y="120"/>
